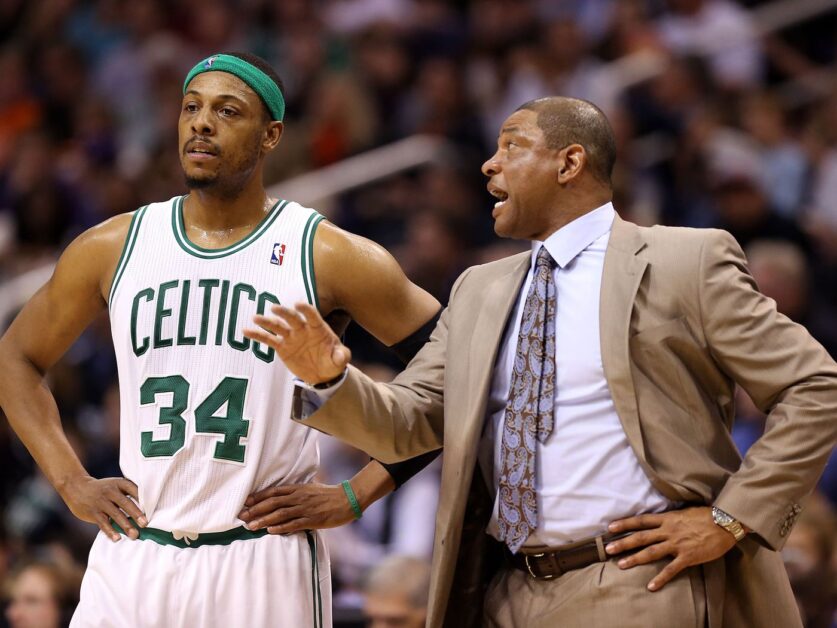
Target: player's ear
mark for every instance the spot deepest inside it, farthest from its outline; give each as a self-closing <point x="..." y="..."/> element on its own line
<point x="272" y="135"/>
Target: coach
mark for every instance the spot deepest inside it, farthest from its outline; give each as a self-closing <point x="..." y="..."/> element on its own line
<point x="584" y="390"/>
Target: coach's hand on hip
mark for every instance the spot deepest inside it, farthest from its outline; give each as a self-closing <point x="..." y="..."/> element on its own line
<point x="689" y="535"/>
<point x="100" y="501"/>
<point x="303" y="340"/>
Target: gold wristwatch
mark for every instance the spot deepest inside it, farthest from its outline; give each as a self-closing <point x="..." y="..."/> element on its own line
<point x="728" y="523"/>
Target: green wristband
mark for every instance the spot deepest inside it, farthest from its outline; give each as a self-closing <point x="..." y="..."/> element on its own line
<point x="347" y="488"/>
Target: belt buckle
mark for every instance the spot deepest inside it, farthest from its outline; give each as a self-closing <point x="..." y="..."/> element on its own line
<point x="526" y="558"/>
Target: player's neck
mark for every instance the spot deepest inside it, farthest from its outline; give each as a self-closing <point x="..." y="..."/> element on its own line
<point x="213" y="212"/>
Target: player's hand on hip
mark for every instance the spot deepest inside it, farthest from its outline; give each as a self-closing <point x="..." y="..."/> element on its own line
<point x="303" y="340"/>
<point x="296" y="507"/>
<point x="103" y="501"/>
<point x="689" y="535"/>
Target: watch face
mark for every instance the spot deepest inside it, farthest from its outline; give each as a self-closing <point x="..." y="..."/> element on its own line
<point x="721" y="517"/>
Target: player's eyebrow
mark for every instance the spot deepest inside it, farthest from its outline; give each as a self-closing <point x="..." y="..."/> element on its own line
<point x="509" y="129"/>
<point x="219" y="96"/>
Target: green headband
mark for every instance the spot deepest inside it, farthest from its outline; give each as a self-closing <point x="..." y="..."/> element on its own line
<point x="258" y="81"/>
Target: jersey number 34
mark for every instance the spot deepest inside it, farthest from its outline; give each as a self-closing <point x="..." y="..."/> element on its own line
<point x="232" y="425"/>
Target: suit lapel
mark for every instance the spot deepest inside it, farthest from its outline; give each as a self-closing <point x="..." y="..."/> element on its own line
<point x="623" y="271"/>
<point x="499" y="299"/>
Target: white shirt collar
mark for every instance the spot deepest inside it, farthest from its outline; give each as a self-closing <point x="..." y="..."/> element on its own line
<point x="574" y="237"/>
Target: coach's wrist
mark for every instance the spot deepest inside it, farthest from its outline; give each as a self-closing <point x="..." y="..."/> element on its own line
<point x="334" y="381"/>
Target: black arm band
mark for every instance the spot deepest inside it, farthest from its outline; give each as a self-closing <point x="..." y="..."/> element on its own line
<point x="407" y="349"/>
<point x="406" y="469"/>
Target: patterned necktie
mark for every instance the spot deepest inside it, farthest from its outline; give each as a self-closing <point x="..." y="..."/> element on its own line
<point x="529" y="411"/>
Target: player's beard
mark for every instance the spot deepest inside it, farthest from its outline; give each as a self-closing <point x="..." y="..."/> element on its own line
<point x="227" y="182"/>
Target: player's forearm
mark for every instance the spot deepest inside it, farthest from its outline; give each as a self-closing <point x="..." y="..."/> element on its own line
<point x="371" y="483"/>
<point x="33" y="415"/>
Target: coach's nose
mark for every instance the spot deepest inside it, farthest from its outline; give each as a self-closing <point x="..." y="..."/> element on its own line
<point x="491" y="166"/>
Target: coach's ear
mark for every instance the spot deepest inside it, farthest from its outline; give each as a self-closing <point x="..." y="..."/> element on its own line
<point x="272" y="135"/>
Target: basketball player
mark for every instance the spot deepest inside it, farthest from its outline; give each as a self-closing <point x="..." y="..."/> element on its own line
<point x="204" y="410"/>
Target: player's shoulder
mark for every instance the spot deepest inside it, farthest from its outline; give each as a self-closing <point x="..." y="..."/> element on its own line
<point x="336" y="246"/>
<point x="109" y="236"/>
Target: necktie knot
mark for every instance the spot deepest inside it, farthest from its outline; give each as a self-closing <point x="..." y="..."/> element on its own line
<point x="544" y="259"/>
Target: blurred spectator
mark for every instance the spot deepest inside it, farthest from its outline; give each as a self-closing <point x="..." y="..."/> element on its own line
<point x="784" y="168"/>
<point x="720" y="30"/>
<point x="707" y="136"/>
<point x="42" y="595"/>
<point x="808" y="556"/>
<point x="782" y="272"/>
<point x="402" y="523"/>
<point x="396" y="593"/>
<point x="744" y="210"/>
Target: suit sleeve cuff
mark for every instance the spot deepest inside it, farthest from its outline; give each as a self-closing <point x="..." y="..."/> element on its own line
<point x="308" y="399"/>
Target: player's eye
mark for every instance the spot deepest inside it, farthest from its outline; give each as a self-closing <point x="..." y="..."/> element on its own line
<point x="228" y="112"/>
<point x="190" y="107"/>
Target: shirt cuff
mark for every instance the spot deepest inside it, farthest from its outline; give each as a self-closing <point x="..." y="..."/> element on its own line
<point x="312" y="398"/>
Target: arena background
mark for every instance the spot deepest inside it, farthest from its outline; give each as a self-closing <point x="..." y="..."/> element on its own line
<point x="725" y="114"/>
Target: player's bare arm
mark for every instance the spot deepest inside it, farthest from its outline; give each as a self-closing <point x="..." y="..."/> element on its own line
<point x="359" y="277"/>
<point x="43" y="331"/>
<point x="362" y="279"/>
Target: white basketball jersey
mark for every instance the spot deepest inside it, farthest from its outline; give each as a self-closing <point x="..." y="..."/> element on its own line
<point x="205" y="412"/>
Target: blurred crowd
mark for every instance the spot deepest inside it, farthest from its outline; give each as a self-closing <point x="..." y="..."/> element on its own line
<point x="724" y="118"/>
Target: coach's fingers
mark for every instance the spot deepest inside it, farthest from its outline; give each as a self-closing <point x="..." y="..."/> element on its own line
<point x="271" y="324"/>
<point x="650" y="554"/>
<point x="291" y="317"/>
<point x="639" y="522"/>
<point x="635" y="541"/>
<point x="311" y="315"/>
<point x="263" y="337"/>
<point x="103" y="522"/>
<point x="668" y="573"/>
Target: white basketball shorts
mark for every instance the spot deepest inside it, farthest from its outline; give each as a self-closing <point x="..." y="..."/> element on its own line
<point x="269" y="581"/>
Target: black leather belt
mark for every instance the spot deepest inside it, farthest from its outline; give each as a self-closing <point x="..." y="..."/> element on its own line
<point x="552" y="562"/>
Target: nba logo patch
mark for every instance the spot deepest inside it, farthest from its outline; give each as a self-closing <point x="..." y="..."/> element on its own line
<point x="278" y="254"/>
<point x="208" y="63"/>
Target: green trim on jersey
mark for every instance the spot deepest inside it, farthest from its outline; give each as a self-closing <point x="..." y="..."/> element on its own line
<point x="316" y="593"/>
<point x="162" y="537"/>
<point x="198" y="251"/>
<point x="127" y="249"/>
<point x="307" y="257"/>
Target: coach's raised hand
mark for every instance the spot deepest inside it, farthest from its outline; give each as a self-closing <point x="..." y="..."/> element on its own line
<point x="303" y="340"/>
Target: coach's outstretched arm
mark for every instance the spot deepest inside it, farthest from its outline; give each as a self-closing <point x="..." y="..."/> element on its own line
<point x="407" y="416"/>
<point x="357" y="280"/>
<point x="42" y="332"/>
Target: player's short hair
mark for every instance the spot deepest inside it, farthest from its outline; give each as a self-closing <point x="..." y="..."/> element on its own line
<point x="566" y="121"/>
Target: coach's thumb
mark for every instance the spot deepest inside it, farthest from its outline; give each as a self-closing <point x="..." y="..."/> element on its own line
<point x="341" y="356"/>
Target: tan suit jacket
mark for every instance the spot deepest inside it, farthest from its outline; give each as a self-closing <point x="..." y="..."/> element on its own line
<point x="681" y="321"/>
